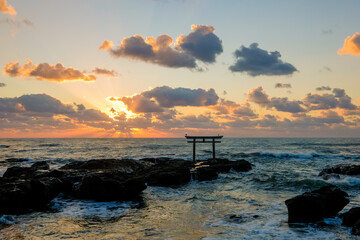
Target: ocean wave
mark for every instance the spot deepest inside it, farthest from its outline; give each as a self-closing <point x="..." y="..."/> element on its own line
<point x="49" y="145"/>
<point x="87" y="208"/>
<point x="281" y="155"/>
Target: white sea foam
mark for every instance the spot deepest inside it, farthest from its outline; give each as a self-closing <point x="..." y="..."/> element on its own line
<point x="87" y="208"/>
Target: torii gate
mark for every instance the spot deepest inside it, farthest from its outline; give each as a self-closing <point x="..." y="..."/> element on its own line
<point x="204" y="140"/>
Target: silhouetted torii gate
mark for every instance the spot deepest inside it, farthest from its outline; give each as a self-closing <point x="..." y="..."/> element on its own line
<point x="204" y="140"/>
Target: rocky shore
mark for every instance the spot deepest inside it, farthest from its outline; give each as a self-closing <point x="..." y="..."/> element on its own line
<point x="26" y="189"/>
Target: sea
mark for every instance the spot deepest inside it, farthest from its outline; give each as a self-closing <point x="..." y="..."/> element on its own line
<point x="237" y="205"/>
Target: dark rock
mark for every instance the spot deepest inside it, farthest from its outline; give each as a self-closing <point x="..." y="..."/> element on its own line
<point x="316" y="205"/>
<point x="25" y="172"/>
<point x="350" y="217"/>
<point x="24" y="189"/>
<point x="234" y="218"/>
<point x="205" y="173"/>
<point x="346" y="169"/>
<point x="125" y="165"/>
<point x="16" y="160"/>
<point x="356" y="228"/>
<point x="22" y="196"/>
<point x="327" y="176"/>
<point x="167" y="172"/>
<point x="104" y="187"/>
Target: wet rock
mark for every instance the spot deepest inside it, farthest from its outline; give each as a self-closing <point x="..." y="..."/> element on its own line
<point x="345" y="169"/>
<point x="22" y="196"/>
<point x="25" y="172"/>
<point x="166" y="172"/>
<point x="350" y="217"/>
<point x="205" y="173"/>
<point x="356" y="228"/>
<point x="234" y="218"/>
<point x="125" y="165"/>
<point x="316" y="205"/>
<point x="10" y="160"/>
<point x="24" y="189"/>
<point x="327" y="176"/>
<point x="106" y="187"/>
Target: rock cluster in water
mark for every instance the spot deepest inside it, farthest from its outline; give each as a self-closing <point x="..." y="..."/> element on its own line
<point x="316" y="205"/>
<point x="343" y="169"/>
<point x="326" y="202"/>
<point x="26" y="189"/>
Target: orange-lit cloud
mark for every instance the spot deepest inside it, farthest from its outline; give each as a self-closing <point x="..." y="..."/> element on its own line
<point x="106" y="45"/>
<point x="351" y="45"/>
<point x="5" y="8"/>
<point x="45" y="71"/>
<point x="201" y="44"/>
<point x="171" y="112"/>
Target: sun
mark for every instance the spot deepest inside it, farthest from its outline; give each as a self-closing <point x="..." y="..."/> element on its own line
<point x="119" y="108"/>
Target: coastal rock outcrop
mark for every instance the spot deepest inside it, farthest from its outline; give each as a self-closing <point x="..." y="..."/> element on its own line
<point x="351" y="218"/>
<point x="24" y="189"/>
<point x="316" y="205"/>
<point x="25" y="195"/>
<point x="345" y="169"/>
<point x="26" y="172"/>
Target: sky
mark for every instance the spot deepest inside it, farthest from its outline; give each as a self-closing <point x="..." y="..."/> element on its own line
<point x="166" y="68"/>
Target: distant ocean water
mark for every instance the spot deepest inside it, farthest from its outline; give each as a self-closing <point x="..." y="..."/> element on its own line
<point x="284" y="168"/>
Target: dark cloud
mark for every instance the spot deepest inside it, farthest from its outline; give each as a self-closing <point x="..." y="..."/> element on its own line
<point x="282" y="85"/>
<point x="323" y="88"/>
<point x="202" y="44"/>
<point x="2" y="84"/>
<point x="45" y="71"/>
<point x="104" y="71"/>
<point x="255" y="62"/>
<point x="170" y="97"/>
<point x="338" y="99"/>
<point x="160" y="98"/>
<point x="258" y="96"/>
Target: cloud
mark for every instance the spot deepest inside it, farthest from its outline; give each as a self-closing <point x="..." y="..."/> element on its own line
<point x="282" y="85"/>
<point x="323" y="88"/>
<point x="2" y="84"/>
<point x="5" y="8"/>
<point x="17" y="23"/>
<point x="106" y="45"/>
<point x="338" y="99"/>
<point x="351" y="45"/>
<point x="160" y="98"/>
<point x="45" y="71"/>
<point x="258" y="96"/>
<point x="227" y="107"/>
<point x="104" y="71"/>
<point x="255" y="62"/>
<point x="201" y="44"/>
<point x="327" y="31"/>
<point x="41" y="113"/>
